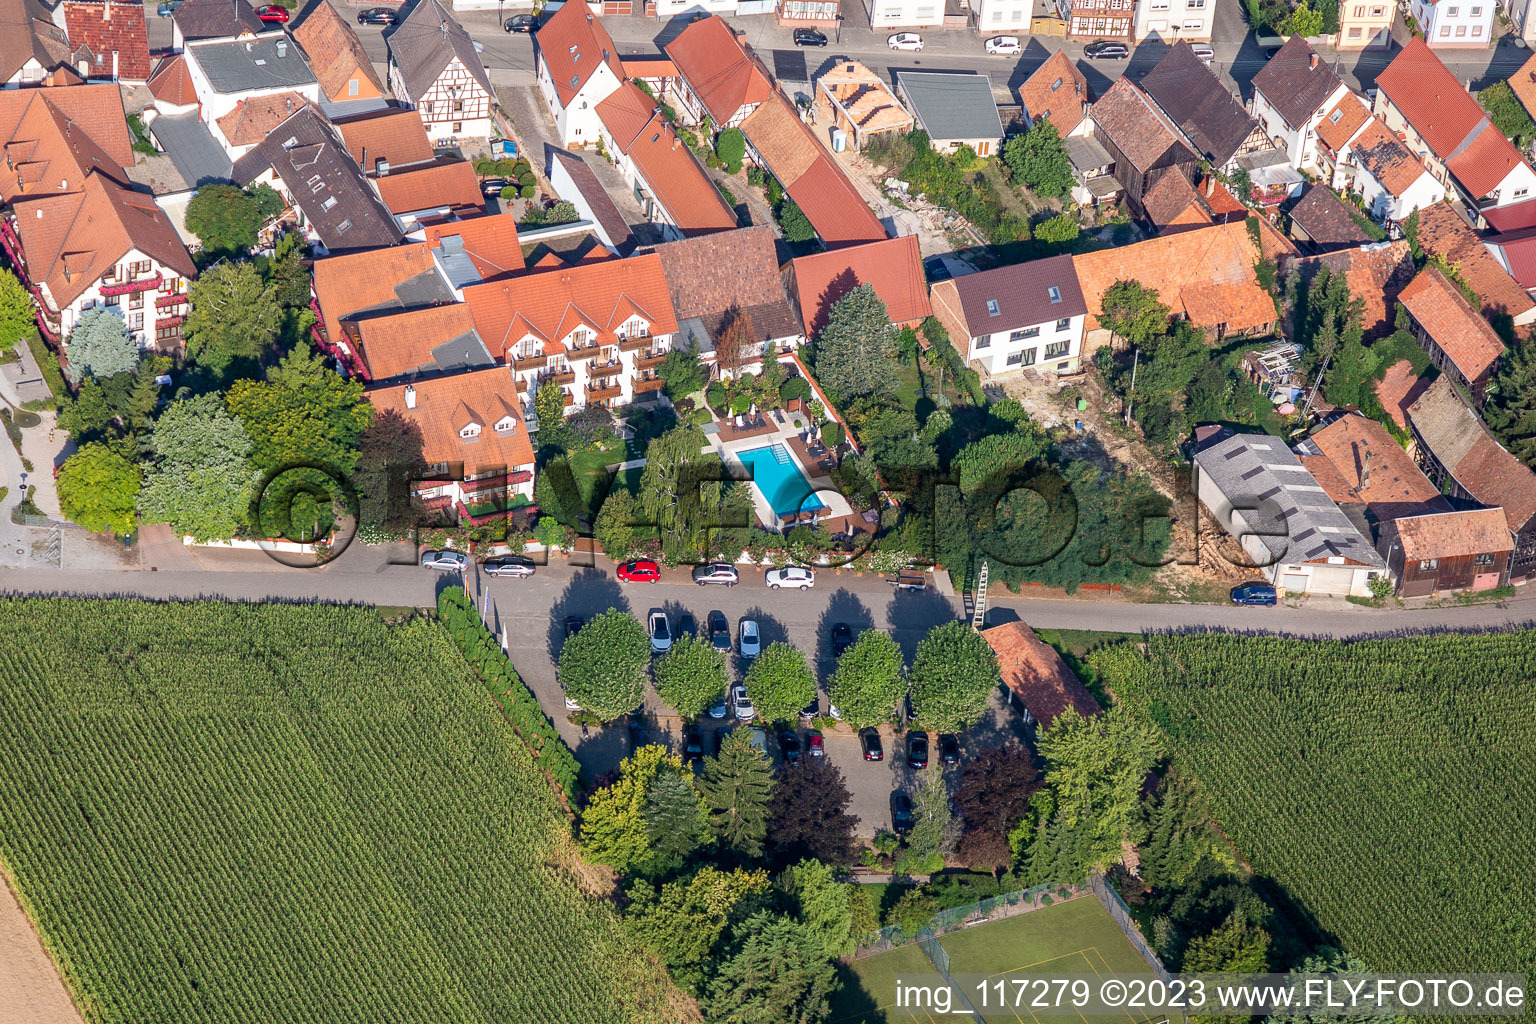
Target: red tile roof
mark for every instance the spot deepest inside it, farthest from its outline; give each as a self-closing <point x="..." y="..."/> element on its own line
<point x="1057" y="90"/>
<point x="396" y="135"/>
<point x="1036" y="675"/>
<point x="573" y="44"/>
<point x="1442" y="232"/>
<point x="1390" y="162"/>
<point x="398" y="344"/>
<point x="336" y="55"/>
<point x="893" y="266"/>
<point x="252" y="119"/>
<point x="1376" y="470"/>
<point x="809" y="174"/>
<point x="347" y="284"/>
<point x="596" y="294"/>
<point x="718" y="70"/>
<point x="1448" y="119"/>
<point x="1454" y="534"/>
<point x="1520" y="256"/>
<point x="1399" y="388"/>
<point x="490" y="243"/>
<point x="108" y="29"/>
<point x="1205" y="273"/>
<point x="56" y="138"/>
<point x="1461" y="443"/>
<point x="452" y="183"/>
<point x="1336" y="131"/>
<point x="72" y="238"/>
<point x="1465" y="337"/>
<point x="444" y="405"/>
<point x="171" y="82"/>
<point x="1375" y="273"/>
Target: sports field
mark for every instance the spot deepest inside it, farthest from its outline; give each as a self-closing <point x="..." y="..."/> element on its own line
<point x="1070" y="938"/>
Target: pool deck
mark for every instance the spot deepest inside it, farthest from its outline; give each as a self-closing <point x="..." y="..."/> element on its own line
<point x="728" y="440"/>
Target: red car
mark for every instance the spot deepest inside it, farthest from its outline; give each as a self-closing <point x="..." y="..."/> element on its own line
<point x="640" y="572"/>
<point x="272" y="12"/>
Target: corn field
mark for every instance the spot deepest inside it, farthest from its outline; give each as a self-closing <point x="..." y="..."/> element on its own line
<point x="266" y="813"/>
<point x="1388" y="784"/>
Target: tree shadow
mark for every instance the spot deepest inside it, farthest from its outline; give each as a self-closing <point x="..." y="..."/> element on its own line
<point x="844" y="607"/>
<point x="590" y="592"/>
<point x="769" y="630"/>
<point x="853" y="1004"/>
<point x="912" y="614"/>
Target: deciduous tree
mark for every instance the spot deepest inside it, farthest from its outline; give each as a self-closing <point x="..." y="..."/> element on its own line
<point x="235" y="316"/>
<point x="690" y="676"/>
<point x="808" y="816"/>
<point x="993" y="796"/>
<point x="855" y="350"/>
<point x="602" y="667"/>
<point x="737" y="784"/>
<point x="737" y="341"/>
<point x="780" y="682"/>
<point x="99" y="490"/>
<point x="731" y="147"/>
<point x="100" y="346"/>
<point x="1133" y="311"/>
<point x="17" y="319"/>
<point x="199" y="478"/>
<point x="226" y="219"/>
<point x="954" y="675"/>
<point x="303" y="414"/>
<point x="1038" y="159"/>
<point x="616" y="827"/>
<point x="614" y="528"/>
<point x="389" y="458"/>
<point x="686" y="921"/>
<point x="868" y="682"/>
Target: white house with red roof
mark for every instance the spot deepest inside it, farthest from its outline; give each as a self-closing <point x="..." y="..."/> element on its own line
<point x="1455" y="24"/>
<point x="577" y="67"/>
<point x="1422" y="101"/>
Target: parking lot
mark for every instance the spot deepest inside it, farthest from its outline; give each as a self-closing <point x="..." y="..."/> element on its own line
<point x="532" y="613"/>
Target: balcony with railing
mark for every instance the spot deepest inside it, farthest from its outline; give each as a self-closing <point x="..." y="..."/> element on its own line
<point x="604" y="390"/>
<point x="651" y="360"/>
<point x="142" y="284"/>
<point x="635" y="343"/>
<point x="173" y="299"/>
<point x="647" y="381"/>
<point x="524" y="363"/>
<point x="562" y="376"/>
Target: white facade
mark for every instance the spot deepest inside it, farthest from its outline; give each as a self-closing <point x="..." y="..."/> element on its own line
<point x="1455" y="23"/>
<point x="1055" y="346"/>
<point x="149" y="296"/>
<point x="1383" y="205"/>
<point x="577" y="123"/>
<point x="213" y="104"/>
<point x="454" y="108"/>
<point x="1171" y="20"/>
<point x="885" y="14"/>
<point x="610" y="374"/>
<point x="1004" y="17"/>
<point x="1298" y="141"/>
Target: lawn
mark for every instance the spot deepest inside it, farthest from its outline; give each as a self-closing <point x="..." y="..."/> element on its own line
<point x="590" y="467"/>
<point x="1387" y="785"/>
<point x="237" y="813"/>
<point x="1070" y="938"/>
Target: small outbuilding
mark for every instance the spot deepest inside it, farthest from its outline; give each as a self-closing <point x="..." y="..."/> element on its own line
<point x="955" y="109"/>
<point x="1040" y="685"/>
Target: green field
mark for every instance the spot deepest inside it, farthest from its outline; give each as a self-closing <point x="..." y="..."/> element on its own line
<point x="1075" y="937"/>
<point x="1387" y="785"/>
<point x="268" y="813"/>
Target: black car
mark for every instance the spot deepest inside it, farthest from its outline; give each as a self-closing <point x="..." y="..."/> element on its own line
<point x="869" y="739"/>
<point x="573" y="623"/>
<point x="789" y="745"/>
<point x="377" y="16"/>
<point x="693" y="745"/>
<point x="1254" y="593"/>
<point x="842" y="638"/>
<point x="492" y="186"/>
<point x="1106" y="50"/>
<point x="686" y="626"/>
<point x="937" y="269"/>
<point x="639" y="734"/>
<point x="812" y="709"/>
<point x="521" y="23"/>
<point x="809" y="37"/>
<point x="949" y="748"/>
<point x="917" y="749"/>
<point x="720" y="632"/>
<point x="901" y="813"/>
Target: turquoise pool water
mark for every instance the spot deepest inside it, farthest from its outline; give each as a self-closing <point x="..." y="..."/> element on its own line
<point x="775" y="475"/>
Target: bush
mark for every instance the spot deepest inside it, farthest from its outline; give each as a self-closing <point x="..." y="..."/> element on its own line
<point x="715" y="396"/>
<point x="527" y="192"/>
<point x="509" y="193"/>
<point x="795" y="387"/>
<point x="527" y="178"/>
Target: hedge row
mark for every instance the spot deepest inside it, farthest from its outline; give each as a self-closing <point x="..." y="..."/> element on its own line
<point x="482" y="651"/>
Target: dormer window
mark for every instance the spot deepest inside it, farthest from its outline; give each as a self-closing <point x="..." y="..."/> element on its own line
<point x="470" y="430"/>
<point x="506" y="425"/>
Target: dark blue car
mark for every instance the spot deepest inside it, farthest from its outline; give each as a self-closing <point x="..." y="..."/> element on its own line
<point x="1253" y="593"/>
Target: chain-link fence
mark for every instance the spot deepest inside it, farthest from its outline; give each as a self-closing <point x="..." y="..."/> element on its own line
<point x="1121" y="915"/>
<point x="994" y="908"/>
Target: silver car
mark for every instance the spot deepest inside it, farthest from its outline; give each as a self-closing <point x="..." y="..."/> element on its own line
<point x="661" y="632"/>
<point x="750" y="639"/>
<point x="741" y="704"/>
<point x="444" y="561"/>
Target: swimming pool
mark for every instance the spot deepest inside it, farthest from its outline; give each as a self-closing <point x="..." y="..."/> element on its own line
<point x="778" y="479"/>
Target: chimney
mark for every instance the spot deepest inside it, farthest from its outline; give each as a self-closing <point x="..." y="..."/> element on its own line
<point x="1365" y="472"/>
<point x="410" y="396"/>
<point x="1313" y="62"/>
<point x="282" y="48"/>
<point x="1210" y="185"/>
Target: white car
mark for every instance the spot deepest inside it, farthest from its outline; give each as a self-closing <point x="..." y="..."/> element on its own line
<point x="1203" y="51"/>
<point x="570" y="705"/>
<point x="444" y="561"/>
<point x="661" y="632"/>
<point x="720" y="707"/>
<point x="909" y="41"/>
<point x="751" y="639"/>
<point x="1007" y="46"/>
<point x="791" y="576"/>
<point x="741" y="704"/>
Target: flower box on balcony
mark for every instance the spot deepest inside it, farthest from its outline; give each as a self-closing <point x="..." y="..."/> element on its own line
<point x="170" y="321"/>
<point x="174" y="299"/>
<point x="144" y="284"/>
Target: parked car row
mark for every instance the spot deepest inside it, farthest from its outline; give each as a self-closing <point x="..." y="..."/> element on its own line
<point x="515" y="566"/>
<point x="645" y="570"/>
